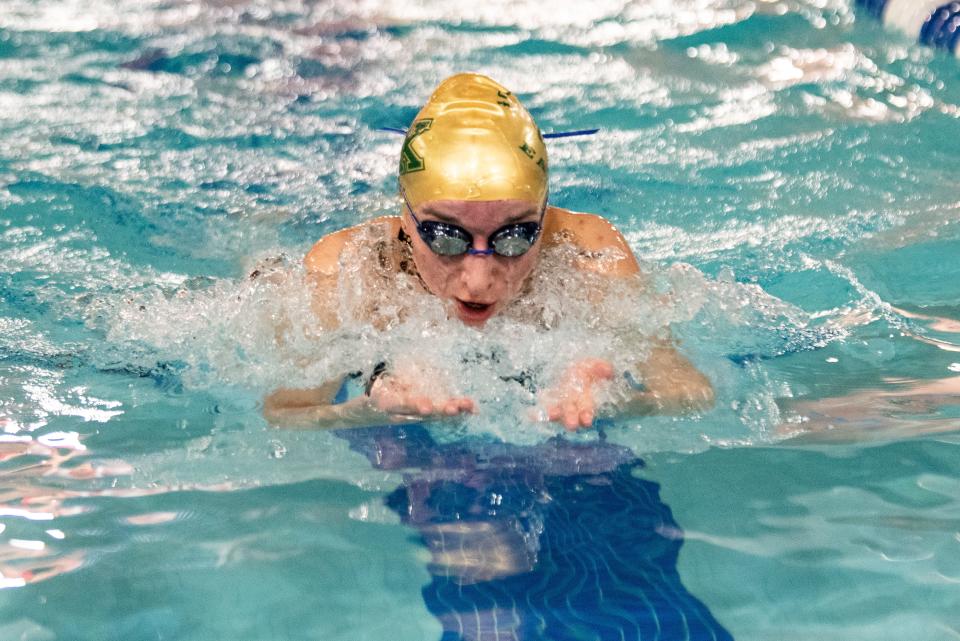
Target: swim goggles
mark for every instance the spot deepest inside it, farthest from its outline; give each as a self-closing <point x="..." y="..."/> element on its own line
<point x="445" y="239"/>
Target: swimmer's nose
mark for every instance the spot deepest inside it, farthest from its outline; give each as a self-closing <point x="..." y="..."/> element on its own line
<point x="479" y="273"/>
<point x="479" y="248"/>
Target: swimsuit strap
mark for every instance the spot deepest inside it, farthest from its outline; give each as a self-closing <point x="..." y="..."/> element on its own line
<point x="407" y="266"/>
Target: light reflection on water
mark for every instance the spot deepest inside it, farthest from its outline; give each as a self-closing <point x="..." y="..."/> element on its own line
<point x="782" y="167"/>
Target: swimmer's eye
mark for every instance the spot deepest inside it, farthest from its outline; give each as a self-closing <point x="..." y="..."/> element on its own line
<point x="515" y="240"/>
<point x="445" y="240"/>
<point x="449" y="246"/>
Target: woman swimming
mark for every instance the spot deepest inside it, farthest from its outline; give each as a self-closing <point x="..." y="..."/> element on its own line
<point x="474" y="224"/>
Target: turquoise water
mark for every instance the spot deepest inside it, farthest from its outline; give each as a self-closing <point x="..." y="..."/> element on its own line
<point x="785" y="170"/>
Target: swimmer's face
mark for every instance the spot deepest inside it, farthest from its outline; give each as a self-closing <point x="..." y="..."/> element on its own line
<point x="477" y="287"/>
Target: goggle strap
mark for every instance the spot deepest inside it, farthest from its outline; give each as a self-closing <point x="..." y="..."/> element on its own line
<point x="554" y="134"/>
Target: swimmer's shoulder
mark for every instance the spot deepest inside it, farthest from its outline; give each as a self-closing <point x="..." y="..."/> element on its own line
<point x="595" y="236"/>
<point x="324" y="256"/>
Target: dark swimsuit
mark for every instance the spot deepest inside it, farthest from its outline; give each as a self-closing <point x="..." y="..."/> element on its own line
<point x="555" y="542"/>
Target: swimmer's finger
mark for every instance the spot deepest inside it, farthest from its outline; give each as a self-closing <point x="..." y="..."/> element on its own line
<point x="571" y="416"/>
<point x="467" y="406"/>
<point x="451" y="407"/>
<point x="586" y="411"/>
<point x="554" y="413"/>
<point x="586" y="417"/>
<point x="422" y="404"/>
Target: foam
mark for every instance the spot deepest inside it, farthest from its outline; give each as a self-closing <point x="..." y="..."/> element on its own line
<point x="260" y="332"/>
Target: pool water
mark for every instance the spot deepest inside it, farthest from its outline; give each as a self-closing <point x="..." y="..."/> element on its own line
<point x="784" y="169"/>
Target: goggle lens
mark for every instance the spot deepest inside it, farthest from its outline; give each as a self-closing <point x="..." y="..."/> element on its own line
<point x="515" y="240"/>
<point x="443" y="239"/>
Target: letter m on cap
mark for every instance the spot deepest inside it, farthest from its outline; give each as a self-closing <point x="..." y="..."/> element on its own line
<point x="411" y="161"/>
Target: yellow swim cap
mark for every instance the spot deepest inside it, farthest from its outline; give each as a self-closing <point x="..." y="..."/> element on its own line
<point x="473" y="140"/>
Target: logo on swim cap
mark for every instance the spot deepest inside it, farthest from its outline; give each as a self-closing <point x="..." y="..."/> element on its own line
<point x="473" y="140"/>
<point x="409" y="159"/>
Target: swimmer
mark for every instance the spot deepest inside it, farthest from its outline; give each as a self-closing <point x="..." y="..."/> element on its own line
<point x="474" y="222"/>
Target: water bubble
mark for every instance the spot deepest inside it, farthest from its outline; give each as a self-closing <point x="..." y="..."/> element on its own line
<point x="277" y="449"/>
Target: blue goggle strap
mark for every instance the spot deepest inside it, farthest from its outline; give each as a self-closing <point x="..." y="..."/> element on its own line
<point x="555" y="134"/>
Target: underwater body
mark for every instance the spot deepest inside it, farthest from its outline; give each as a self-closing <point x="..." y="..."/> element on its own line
<point x="784" y="171"/>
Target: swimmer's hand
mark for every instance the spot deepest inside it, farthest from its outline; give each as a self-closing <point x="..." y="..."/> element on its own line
<point x="573" y="401"/>
<point x="403" y="400"/>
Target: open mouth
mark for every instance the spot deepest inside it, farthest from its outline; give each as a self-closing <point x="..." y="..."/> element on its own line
<point x="472" y="311"/>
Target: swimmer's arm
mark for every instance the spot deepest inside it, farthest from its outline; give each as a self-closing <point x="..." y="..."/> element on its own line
<point x="666" y="383"/>
<point x="300" y="408"/>
<point x="314" y="409"/>
<point x="603" y="249"/>
<point x="310" y="408"/>
<point x="322" y="264"/>
<point x="670" y="382"/>
<point x="391" y="401"/>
